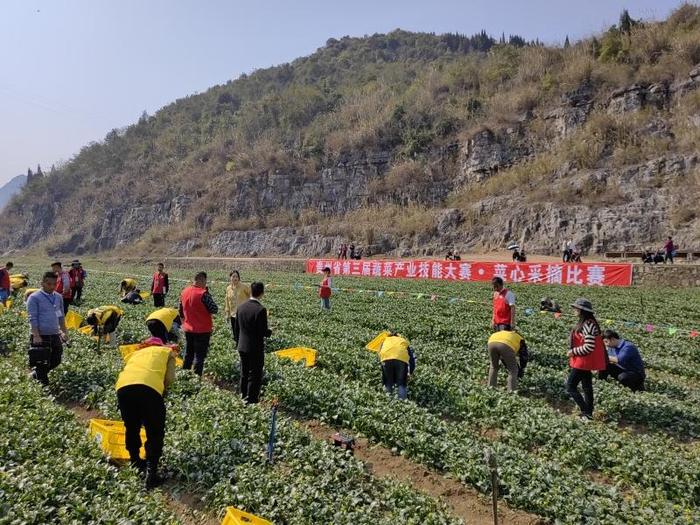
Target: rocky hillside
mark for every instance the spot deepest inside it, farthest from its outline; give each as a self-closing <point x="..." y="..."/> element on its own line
<point x="407" y="143"/>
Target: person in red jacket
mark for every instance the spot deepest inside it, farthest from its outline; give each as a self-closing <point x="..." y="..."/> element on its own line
<point x="324" y="289"/>
<point x="77" y="276"/>
<point x="503" y="317"/>
<point x="197" y="307"/>
<point x="5" y="284"/>
<point x="64" y="285"/>
<point x="586" y="355"/>
<point x="159" y="286"/>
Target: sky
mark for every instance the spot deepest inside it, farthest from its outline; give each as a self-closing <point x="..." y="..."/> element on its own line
<point x="72" y="70"/>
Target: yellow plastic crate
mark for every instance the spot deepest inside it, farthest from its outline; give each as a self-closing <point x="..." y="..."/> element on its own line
<point x="73" y="320"/>
<point x="236" y="516"/>
<point x="299" y="353"/>
<point x="376" y="344"/>
<point x="110" y="435"/>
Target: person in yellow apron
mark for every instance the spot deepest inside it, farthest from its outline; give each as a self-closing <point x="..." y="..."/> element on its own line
<point x="398" y="363"/>
<point x="104" y="320"/>
<point x="127" y="285"/>
<point x="509" y="348"/>
<point x="164" y="324"/>
<point x="140" y="386"/>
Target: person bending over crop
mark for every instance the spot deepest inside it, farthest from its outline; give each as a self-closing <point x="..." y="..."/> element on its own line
<point x="251" y="317"/>
<point x="509" y="348"/>
<point x="625" y="362"/>
<point x="237" y="293"/>
<point x="104" y="319"/>
<point x="133" y="297"/>
<point x="398" y="363"/>
<point x="5" y="283"/>
<point x="324" y="289"/>
<point x="586" y="354"/>
<point x="164" y="324"/>
<point x="197" y="307"/>
<point x="140" y="386"/>
<point x="48" y="326"/>
<point x="127" y="285"/>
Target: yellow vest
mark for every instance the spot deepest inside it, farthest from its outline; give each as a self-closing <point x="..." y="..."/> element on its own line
<point x="165" y="316"/>
<point x="129" y="283"/>
<point x="146" y="366"/>
<point x="394" y="347"/>
<point x="511" y="339"/>
<point x="105" y="312"/>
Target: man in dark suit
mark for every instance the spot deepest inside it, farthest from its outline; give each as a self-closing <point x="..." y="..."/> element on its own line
<point x="251" y="317"/>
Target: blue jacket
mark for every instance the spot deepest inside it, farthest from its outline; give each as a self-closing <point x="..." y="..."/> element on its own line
<point x="629" y="358"/>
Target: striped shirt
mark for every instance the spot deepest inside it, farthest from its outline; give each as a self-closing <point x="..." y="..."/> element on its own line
<point x="590" y="330"/>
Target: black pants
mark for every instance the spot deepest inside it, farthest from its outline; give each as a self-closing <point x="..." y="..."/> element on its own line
<point x="77" y="293"/>
<point x="67" y="301"/>
<point x="140" y="405"/>
<point x="585" y="401"/>
<point x="157" y="329"/>
<point x="631" y="380"/>
<point x="196" y="350"/>
<point x="251" y="375"/>
<point x="395" y="374"/>
<point x="502" y="327"/>
<point x="159" y="300"/>
<point x="234" y="329"/>
<point x="669" y="257"/>
<point x="44" y="362"/>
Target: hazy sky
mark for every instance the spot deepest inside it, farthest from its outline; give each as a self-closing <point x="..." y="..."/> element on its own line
<point x="71" y="70"/>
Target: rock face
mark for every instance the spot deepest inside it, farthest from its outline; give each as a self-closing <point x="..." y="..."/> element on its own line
<point x="488" y="151"/>
<point x="573" y="111"/>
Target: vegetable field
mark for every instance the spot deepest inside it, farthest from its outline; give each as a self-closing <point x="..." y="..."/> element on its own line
<point x="637" y="463"/>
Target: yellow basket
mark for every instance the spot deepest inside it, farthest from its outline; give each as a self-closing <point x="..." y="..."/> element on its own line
<point x="145" y="295"/>
<point x="299" y="353"/>
<point x="73" y="320"/>
<point x="110" y="435"/>
<point x="236" y="516"/>
<point x="375" y="345"/>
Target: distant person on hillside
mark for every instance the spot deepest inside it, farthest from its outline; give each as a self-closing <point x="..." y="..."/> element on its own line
<point x="164" y="324"/>
<point x="670" y="250"/>
<point x="324" y="289"/>
<point x="398" y="364"/>
<point x="77" y="275"/>
<point x="566" y="251"/>
<point x="147" y="373"/>
<point x="64" y="286"/>
<point x="5" y="284"/>
<point x="237" y="293"/>
<point x="548" y="305"/>
<point x="127" y="285"/>
<point x="197" y="307"/>
<point x="252" y="325"/>
<point x="509" y="348"/>
<point x="625" y="362"/>
<point x="659" y="257"/>
<point x="133" y="297"/>
<point x="503" y="317"/>
<point x="344" y="251"/>
<point x="352" y="250"/>
<point x="647" y="256"/>
<point x="48" y="328"/>
<point x="586" y="354"/>
<point x="160" y="285"/>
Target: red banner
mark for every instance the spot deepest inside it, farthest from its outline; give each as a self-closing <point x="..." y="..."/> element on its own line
<point x="584" y="274"/>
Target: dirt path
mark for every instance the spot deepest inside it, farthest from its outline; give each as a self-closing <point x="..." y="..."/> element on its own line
<point x="464" y="502"/>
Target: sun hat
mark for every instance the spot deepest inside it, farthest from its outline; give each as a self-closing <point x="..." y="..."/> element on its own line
<point x="583" y="304"/>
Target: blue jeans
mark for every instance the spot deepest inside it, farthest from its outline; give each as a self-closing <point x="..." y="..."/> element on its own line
<point x="4" y="295"/>
<point x="395" y="374"/>
<point x="326" y="303"/>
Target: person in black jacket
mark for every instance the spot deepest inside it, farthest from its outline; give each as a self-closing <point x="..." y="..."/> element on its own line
<point x="251" y="317"/>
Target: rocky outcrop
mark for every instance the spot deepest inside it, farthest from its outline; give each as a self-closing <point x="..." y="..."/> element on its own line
<point x="487" y="151"/>
<point x="573" y="111"/>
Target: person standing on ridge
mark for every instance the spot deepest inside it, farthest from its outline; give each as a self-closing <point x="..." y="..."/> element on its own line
<point x="503" y="317"/>
<point x="586" y="355"/>
<point x="5" y="284"/>
<point x="251" y="317"/>
<point x="237" y="293"/>
<point x="64" y="285"/>
<point x="160" y="286"/>
<point x="197" y="307"/>
<point x="77" y="275"/>
<point x="669" y="249"/>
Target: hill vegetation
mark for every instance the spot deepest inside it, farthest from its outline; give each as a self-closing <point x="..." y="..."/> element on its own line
<point x="418" y="97"/>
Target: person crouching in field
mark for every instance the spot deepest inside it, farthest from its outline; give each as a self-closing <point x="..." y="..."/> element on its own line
<point x="140" y="386"/>
<point x="626" y="364"/>
<point x="164" y="324"/>
<point x="509" y="348"/>
<point x="586" y="354"/>
<point x="398" y="363"/>
<point x="324" y="289"/>
<point x="127" y="285"/>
